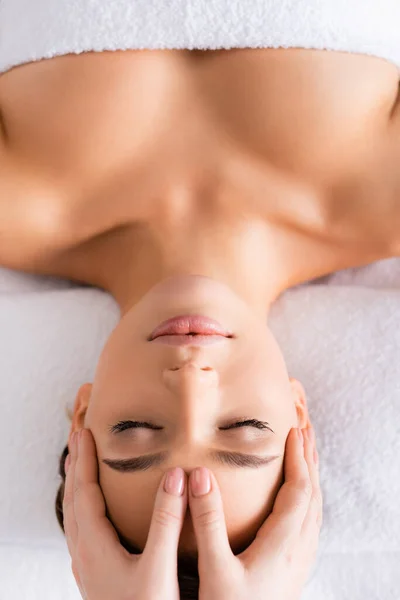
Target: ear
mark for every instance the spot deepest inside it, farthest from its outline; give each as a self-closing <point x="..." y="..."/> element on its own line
<point x="80" y="408"/>
<point x="300" y="401"/>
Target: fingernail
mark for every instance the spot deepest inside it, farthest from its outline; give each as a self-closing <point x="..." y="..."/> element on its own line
<point x="300" y="435"/>
<point x="200" y="482"/>
<point x="174" y="482"/>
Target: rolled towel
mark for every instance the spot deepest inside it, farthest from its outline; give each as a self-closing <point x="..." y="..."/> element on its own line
<point x="31" y="31"/>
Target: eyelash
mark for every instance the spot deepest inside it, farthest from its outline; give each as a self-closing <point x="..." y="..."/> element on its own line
<point x="246" y="423"/>
<point x="123" y="425"/>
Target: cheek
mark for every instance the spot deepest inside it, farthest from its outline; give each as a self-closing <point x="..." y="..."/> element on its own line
<point x="130" y="501"/>
<point x="248" y="498"/>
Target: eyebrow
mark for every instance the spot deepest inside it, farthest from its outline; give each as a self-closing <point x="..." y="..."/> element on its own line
<point x="147" y="461"/>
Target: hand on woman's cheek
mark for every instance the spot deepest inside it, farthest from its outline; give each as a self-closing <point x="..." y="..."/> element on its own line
<point x="248" y="496"/>
<point x="196" y="406"/>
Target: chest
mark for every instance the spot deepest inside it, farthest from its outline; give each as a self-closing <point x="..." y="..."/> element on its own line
<point x="122" y="137"/>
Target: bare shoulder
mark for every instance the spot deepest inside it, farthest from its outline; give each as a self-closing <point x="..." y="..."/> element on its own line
<point x="364" y="203"/>
<point x="392" y="160"/>
<point x="2" y="139"/>
<point x="29" y="226"/>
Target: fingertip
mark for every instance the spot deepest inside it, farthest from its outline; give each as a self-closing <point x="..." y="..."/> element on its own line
<point x="174" y="482"/>
<point x="200" y="482"/>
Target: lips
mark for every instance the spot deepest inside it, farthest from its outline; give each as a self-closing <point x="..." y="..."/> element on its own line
<point x="190" y="324"/>
<point x="190" y="340"/>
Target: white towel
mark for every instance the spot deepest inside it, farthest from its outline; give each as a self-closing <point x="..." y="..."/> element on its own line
<point x="340" y="336"/>
<point x="31" y="30"/>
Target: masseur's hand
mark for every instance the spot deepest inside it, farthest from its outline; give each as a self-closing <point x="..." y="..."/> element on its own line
<point x="277" y="564"/>
<point x="102" y="568"/>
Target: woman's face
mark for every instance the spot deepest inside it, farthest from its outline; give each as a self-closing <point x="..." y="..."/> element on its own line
<point x="185" y="402"/>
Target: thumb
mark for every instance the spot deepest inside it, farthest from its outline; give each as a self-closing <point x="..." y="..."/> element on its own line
<point x="165" y="528"/>
<point x="208" y="519"/>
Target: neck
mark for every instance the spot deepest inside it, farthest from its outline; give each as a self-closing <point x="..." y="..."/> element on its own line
<point x="259" y="298"/>
<point x="243" y="256"/>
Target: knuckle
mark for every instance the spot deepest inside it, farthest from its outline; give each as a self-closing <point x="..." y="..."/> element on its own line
<point x="314" y="503"/>
<point x="67" y="500"/>
<point x="78" y="489"/>
<point x="316" y="511"/>
<point x="304" y="489"/>
<point x="288" y="556"/>
<point x="84" y="556"/>
<point x="208" y="519"/>
<point x="165" y="517"/>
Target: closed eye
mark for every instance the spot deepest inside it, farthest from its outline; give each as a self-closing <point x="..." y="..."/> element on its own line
<point x="123" y="425"/>
<point x="248" y="423"/>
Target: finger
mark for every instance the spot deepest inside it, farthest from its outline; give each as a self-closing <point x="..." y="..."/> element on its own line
<point x="75" y="573"/>
<point x="313" y="520"/>
<point x="70" y="526"/>
<point x="169" y="511"/>
<point x="283" y="526"/>
<point x="208" y="519"/>
<point x="95" y="534"/>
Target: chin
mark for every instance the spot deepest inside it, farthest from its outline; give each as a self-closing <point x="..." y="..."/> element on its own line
<point x="192" y="288"/>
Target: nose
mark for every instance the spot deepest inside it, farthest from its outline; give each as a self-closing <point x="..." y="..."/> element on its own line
<point x="194" y="386"/>
<point x="191" y="375"/>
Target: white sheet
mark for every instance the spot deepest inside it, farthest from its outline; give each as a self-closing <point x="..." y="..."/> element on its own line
<point x="340" y="335"/>
<point x="31" y="31"/>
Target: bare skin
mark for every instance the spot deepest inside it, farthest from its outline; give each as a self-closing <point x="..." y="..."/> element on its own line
<point x="197" y="182"/>
<point x="118" y="152"/>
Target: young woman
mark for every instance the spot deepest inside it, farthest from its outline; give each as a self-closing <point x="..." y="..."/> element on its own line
<point x="196" y="184"/>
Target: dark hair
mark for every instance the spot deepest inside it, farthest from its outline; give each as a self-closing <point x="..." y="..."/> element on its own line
<point x="188" y="575"/>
